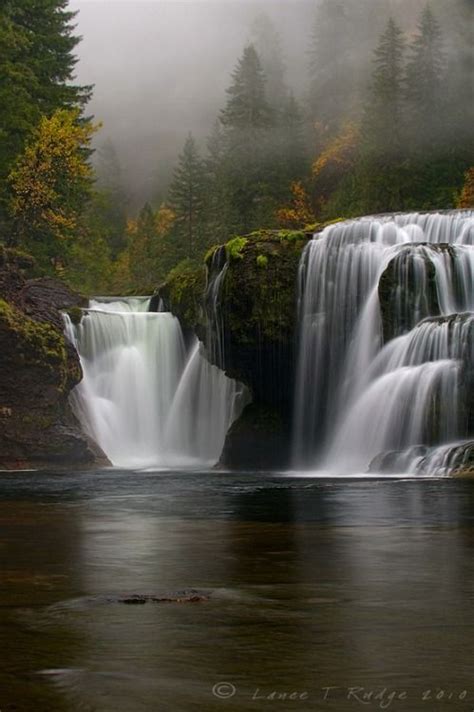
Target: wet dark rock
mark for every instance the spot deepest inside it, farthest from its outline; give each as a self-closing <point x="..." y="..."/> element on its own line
<point x="389" y="462"/>
<point x="401" y="303"/>
<point x="258" y="440"/>
<point x="39" y="368"/>
<point x="190" y="596"/>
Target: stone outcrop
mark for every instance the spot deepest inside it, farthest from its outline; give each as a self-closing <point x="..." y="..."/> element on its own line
<point x="38" y="369"/>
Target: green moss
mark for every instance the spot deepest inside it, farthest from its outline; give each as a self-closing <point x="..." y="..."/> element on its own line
<point x="36" y="343"/>
<point x="19" y="259"/>
<point x="210" y="253"/>
<point x="75" y="314"/>
<point x="183" y="291"/>
<point x="234" y="248"/>
<point x="262" y="309"/>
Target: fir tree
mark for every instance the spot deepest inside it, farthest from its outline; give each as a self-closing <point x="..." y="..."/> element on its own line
<point x="218" y="203"/>
<point x="379" y="178"/>
<point x="187" y="200"/>
<point x="382" y="125"/>
<point x="37" y="61"/>
<point x="331" y="87"/>
<point x="247" y="120"/>
<point x="111" y="205"/>
<point x="51" y="186"/>
<point x="425" y="79"/>
<point x="247" y="107"/>
<point x="268" y="45"/>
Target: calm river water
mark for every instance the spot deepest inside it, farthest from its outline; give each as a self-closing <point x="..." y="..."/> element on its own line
<point x="325" y="594"/>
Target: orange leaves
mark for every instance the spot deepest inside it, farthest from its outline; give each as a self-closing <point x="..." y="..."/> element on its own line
<point x="53" y="178"/>
<point x="164" y="220"/>
<point x="339" y="154"/>
<point x="466" y="199"/>
<point x="299" y="212"/>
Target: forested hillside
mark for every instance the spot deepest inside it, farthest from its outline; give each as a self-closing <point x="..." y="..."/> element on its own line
<point x="385" y="123"/>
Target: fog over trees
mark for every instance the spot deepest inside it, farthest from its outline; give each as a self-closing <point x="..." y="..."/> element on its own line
<point x="189" y="122"/>
<point x="161" y="67"/>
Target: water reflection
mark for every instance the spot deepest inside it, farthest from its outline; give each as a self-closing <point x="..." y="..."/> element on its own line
<point x="315" y="584"/>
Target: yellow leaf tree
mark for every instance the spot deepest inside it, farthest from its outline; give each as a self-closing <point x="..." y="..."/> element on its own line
<point x="334" y="162"/>
<point x="51" y="185"/>
<point x="466" y="199"/>
<point x="299" y="213"/>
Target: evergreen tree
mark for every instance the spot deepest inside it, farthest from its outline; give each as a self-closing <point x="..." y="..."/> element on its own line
<point x="331" y="88"/>
<point x="143" y="249"/>
<point x="51" y="186"/>
<point x="247" y="107"/>
<point x="379" y="178"/>
<point x="187" y="200"/>
<point x="247" y="119"/>
<point x="218" y="202"/>
<point x="111" y="205"/>
<point x="425" y="80"/>
<point x="383" y="121"/>
<point x="287" y="160"/>
<point x="37" y="60"/>
<point x="268" y="45"/>
<point x="294" y="153"/>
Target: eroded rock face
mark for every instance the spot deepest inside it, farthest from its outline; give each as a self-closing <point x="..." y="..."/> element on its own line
<point x="38" y="369"/>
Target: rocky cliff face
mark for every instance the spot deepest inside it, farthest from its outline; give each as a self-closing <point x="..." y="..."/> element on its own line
<point x="38" y="369"/>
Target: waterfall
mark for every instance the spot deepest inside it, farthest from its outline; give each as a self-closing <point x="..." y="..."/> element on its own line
<point x="144" y="398"/>
<point x="376" y="372"/>
<point x="215" y="336"/>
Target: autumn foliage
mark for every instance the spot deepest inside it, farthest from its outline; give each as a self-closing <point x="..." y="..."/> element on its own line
<point x="466" y="199"/>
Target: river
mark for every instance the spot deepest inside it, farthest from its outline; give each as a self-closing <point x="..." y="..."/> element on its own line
<point x="324" y="594"/>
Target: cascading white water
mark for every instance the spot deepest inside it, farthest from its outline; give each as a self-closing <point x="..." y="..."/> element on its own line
<point x="356" y="398"/>
<point x="215" y="324"/>
<point x="144" y="399"/>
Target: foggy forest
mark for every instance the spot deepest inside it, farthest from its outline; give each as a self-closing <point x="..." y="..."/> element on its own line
<point x="205" y="120"/>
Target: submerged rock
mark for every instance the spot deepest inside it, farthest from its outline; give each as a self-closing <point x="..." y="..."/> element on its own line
<point x="190" y="596"/>
<point x="38" y="366"/>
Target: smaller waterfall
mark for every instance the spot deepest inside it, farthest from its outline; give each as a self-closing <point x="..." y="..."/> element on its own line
<point x="143" y="398"/>
<point x="215" y="337"/>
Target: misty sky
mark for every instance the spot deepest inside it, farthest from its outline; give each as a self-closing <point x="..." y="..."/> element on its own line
<point x="160" y="69"/>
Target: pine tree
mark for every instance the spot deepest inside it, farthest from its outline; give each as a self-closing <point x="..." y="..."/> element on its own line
<point x="425" y="80"/>
<point x="37" y="60"/>
<point x="143" y="249"/>
<point x="287" y="156"/>
<point x="112" y="201"/>
<point x="382" y="126"/>
<point x="379" y="177"/>
<point x="331" y="87"/>
<point x="51" y="185"/>
<point x="247" y="120"/>
<point x="247" y="107"/>
<point x="294" y="153"/>
<point x="268" y="44"/>
<point x="218" y="202"/>
<point x="187" y="200"/>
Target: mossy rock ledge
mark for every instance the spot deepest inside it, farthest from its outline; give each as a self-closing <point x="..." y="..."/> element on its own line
<point x="253" y="320"/>
<point x="38" y="367"/>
